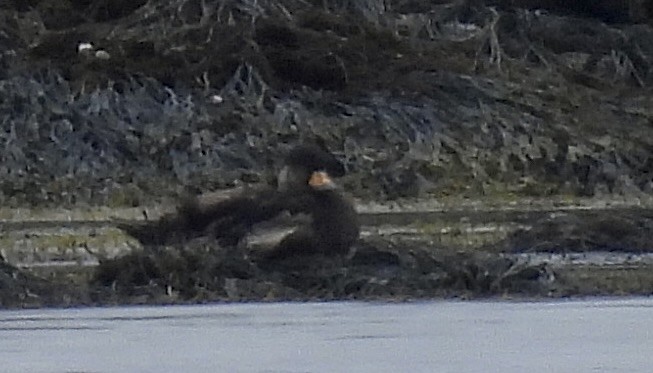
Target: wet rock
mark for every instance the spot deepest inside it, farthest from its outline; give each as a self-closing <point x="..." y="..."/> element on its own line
<point x="524" y="278"/>
<point x="372" y="256"/>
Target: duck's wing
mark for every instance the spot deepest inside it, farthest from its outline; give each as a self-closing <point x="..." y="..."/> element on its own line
<point x="266" y="235"/>
<point x="193" y="216"/>
<point x="228" y="218"/>
<point x="234" y="219"/>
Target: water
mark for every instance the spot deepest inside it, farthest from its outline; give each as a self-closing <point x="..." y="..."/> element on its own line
<point x="570" y="336"/>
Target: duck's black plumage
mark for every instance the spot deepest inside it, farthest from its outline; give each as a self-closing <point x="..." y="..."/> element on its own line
<point x="334" y="223"/>
<point x="333" y="226"/>
<point x="238" y="214"/>
<point x="229" y="220"/>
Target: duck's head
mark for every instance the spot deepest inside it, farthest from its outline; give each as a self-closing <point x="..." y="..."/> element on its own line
<point x="302" y="162"/>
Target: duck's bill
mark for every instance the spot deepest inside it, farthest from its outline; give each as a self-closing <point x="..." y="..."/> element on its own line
<point x="321" y="179"/>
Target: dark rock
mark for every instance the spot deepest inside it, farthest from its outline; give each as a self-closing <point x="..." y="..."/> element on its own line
<point x="372" y="256"/>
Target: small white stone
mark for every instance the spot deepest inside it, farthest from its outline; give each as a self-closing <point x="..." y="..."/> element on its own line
<point x="102" y="55"/>
<point x="216" y="99"/>
<point x="84" y="47"/>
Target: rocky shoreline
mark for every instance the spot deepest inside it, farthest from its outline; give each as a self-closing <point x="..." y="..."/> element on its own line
<point x="401" y="256"/>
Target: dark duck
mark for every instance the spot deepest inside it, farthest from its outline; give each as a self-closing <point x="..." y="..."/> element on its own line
<point x="232" y="218"/>
<point x="304" y="187"/>
<point x="333" y="226"/>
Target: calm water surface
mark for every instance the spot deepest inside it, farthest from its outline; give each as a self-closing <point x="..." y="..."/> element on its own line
<point x="568" y="336"/>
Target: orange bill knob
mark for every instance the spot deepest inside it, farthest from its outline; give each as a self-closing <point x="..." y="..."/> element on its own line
<point x="319" y="179"/>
